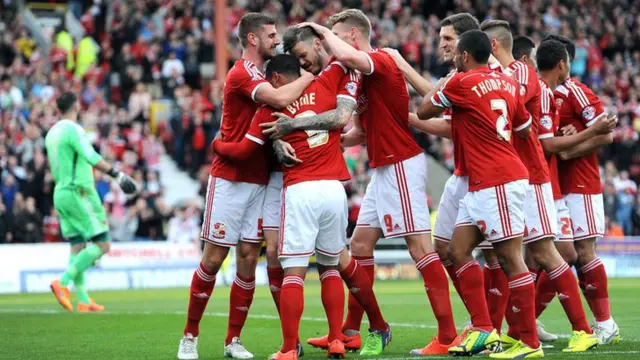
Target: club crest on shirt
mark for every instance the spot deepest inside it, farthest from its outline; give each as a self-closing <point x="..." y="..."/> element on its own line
<point x="559" y="102"/>
<point x="589" y="112"/>
<point x="523" y="90"/>
<point x="351" y="87"/>
<point x="546" y="122"/>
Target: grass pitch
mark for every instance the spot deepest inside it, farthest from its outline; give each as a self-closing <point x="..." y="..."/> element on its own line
<point x="147" y="324"/>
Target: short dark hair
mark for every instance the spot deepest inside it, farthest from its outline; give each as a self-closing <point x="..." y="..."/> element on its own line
<point x="571" y="47"/>
<point x="251" y="23"/>
<point x="522" y="45"/>
<point x="461" y="22"/>
<point x="283" y="64"/>
<point x="550" y="53"/>
<point x="5" y="77"/>
<point x="477" y="44"/>
<point x="353" y="17"/>
<point x="65" y="102"/>
<point x="500" y="30"/>
<point x="293" y="35"/>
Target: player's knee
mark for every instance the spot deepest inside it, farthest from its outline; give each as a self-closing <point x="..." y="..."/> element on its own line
<point x="507" y="262"/>
<point x="104" y="246"/>
<point x="442" y="248"/>
<point x="569" y="255"/>
<point x="416" y="251"/>
<point x="272" y="256"/>
<point x="585" y="250"/>
<point x="362" y="247"/>
<point x="457" y="255"/>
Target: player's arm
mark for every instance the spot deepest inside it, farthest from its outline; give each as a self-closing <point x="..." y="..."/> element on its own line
<point x="345" y="53"/>
<point x="434" y="126"/>
<point x="284" y="95"/>
<point x="522" y="121"/>
<point x="328" y="120"/>
<point x="355" y="136"/>
<point x="82" y="146"/>
<point x="435" y="102"/>
<point x="601" y="129"/>
<point x="420" y="84"/>
<point x="236" y="151"/>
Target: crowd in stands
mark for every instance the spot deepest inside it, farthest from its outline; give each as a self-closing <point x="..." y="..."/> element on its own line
<point x="164" y="50"/>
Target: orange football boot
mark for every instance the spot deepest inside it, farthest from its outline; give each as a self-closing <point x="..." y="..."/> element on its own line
<point x="62" y="294"/>
<point x="290" y="355"/>
<point x="351" y="343"/>
<point x="336" y="350"/>
<point x="91" y="307"/>
<point x="435" y="348"/>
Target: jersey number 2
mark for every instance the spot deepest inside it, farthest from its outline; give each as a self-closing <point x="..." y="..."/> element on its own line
<point x="315" y="137"/>
<point x="502" y="123"/>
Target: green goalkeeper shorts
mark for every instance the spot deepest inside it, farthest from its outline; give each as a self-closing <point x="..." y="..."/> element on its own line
<point x="81" y="213"/>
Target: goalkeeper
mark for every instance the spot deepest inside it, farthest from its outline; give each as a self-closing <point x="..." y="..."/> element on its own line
<point x="83" y="219"/>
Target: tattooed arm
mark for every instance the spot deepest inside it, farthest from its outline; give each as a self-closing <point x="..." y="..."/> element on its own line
<point x="328" y="120"/>
<point x="285" y="153"/>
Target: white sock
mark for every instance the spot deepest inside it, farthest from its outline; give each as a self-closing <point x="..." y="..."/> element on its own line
<point x="607" y="324"/>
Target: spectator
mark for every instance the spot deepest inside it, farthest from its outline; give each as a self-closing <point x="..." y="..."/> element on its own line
<point x="183" y="229"/>
<point x="636" y="217"/>
<point x="6" y="224"/>
<point x="28" y="224"/>
<point x="52" y="227"/>
<point x="10" y="96"/>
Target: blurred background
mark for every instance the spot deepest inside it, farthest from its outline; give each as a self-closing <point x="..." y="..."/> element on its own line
<point x="149" y="74"/>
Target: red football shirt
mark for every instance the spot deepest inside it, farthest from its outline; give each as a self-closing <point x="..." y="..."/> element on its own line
<point x="238" y="107"/>
<point x="384" y="103"/>
<point x="319" y="150"/>
<point x="488" y="105"/>
<point x="578" y="105"/>
<point x="529" y="148"/>
<point x="458" y="154"/>
<point x="547" y="127"/>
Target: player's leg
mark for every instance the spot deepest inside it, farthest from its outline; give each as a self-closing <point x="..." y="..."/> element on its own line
<point x="247" y="254"/>
<point x="363" y="241"/>
<point x="270" y="226"/>
<point x="463" y="242"/>
<point x="220" y="231"/>
<point x="497" y="289"/>
<point x="587" y="215"/>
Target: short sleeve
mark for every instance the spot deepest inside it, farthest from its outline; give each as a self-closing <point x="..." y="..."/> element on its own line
<point x="546" y="125"/>
<point x="247" y="80"/>
<point x="80" y="142"/>
<point x="263" y="115"/>
<point x="451" y="94"/>
<point x="350" y="85"/>
<point x="585" y="103"/>
<point x="522" y="117"/>
<point x="380" y="62"/>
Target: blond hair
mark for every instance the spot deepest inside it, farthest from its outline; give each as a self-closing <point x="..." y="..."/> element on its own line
<point x="353" y="17"/>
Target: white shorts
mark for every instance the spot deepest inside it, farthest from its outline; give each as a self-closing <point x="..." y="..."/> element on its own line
<point x="271" y="208"/>
<point x="497" y="211"/>
<point x="396" y="199"/>
<point x="314" y="219"/>
<point x="233" y="212"/>
<point x="587" y="215"/>
<point x="539" y="213"/>
<point x="455" y="189"/>
<point x="564" y="232"/>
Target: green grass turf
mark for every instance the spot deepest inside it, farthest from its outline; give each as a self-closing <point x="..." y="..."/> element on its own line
<point x="147" y="324"/>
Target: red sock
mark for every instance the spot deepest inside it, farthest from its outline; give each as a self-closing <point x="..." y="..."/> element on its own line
<point x="512" y="320"/>
<point x="596" y="289"/>
<point x="240" y="300"/>
<point x="292" y="304"/>
<point x="545" y="292"/>
<point x="356" y="278"/>
<point x="569" y="296"/>
<point x="451" y="270"/>
<point x="472" y="287"/>
<point x="498" y="295"/>
<point x="355" y="313"/>
<point x="276" y="275"/>
<point x="522" y="299"/>
<point x="202" y="284"/>
<point x="437" y="288"/>
<point x="333" y="301"/>
<point x="486" y="275"/>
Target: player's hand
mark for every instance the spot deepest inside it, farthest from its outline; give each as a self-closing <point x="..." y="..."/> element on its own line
<point x="127" y="184"/>
<point x="395" y="55"/>
<point x="319" y="29"/>
<point x="606" y="125"/>
<point x="568" y="130"/>
<point x="286" y="153"/>
<point x="279" y="128"/>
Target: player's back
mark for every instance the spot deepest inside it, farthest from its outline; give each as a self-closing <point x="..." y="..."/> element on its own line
<point x="68" y="167"/>
<point x="486" y="103"/>
<point x="319" y="150"/>
<point x="384" y="103"/>
<point x="580" y="107"/>
<point x="529" y="149"/>
<point x="238" y="107"/>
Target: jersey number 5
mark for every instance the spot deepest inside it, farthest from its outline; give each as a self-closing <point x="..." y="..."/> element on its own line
<point x="502" y="123"/>
<point x="315" y="137"/>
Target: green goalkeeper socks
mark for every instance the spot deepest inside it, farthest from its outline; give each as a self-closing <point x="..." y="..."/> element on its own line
<point x="79" y="284"/>
<point x="82" y="261"/>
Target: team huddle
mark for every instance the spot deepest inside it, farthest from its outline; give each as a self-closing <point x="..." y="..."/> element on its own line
<point x="525" y="173"/>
